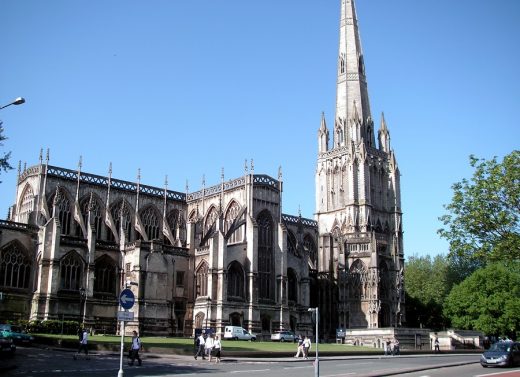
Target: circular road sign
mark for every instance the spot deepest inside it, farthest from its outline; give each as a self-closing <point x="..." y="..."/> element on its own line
<point x="126" y="299"/>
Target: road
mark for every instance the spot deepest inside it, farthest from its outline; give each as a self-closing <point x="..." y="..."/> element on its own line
<point x="58" y="363"/>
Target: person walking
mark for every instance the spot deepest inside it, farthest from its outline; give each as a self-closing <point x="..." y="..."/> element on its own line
<point x="396" y="350"/>
<point x="134" y="350"/>
<point x="217" y="346"/>
<point x="210" y="343"/>
<point x="201" y="347"/>
<point x="437" y="345"/>
<point x="306" y="347"/>
<point x="299" y="349"/>
<point x="83" y="345"/>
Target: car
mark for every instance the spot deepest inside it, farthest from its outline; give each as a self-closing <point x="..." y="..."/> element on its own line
<point x="238" y="333"/>
<point x="283" y="336"/>
<point x="16" y="333"/>
<point x="7" y="346"/>
<point x="503" y="354"/>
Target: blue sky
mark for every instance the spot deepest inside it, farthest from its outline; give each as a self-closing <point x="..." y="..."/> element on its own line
<point x="185" y="88"/>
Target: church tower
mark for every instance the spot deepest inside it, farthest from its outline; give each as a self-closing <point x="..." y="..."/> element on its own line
<point x="358" y="202"/>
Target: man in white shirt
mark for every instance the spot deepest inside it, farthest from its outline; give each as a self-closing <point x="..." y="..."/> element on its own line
<point x="201" y="346"/>
<point x="134" y="352"/>
<point x="210" y="343"/>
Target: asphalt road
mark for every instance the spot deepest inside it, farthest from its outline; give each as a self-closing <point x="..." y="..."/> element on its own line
<point x="60" y="363"/>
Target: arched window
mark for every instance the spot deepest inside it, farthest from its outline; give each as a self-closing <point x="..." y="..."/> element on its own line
<point x="292" y="285"/>
<point x="231" y="221"/>
<point x="71" y="272"/>
<point x="172" y="219"/>
<point x="63" y="209"/>
<point x="26" y="205"/>
<point x="115" y="211"/>
<point x="106" y="276"/>
<point x="310" y="247"/>
<point x="209" y="224"/>
<point x="235" y="281"/>
<point x="95" y="212"/>
<point x="265" y="255"/>
<point x="291" y="243"/>
<point x="15" y="268"/>
<point x="384" y="281"/>
<point x="202" y="280"/>
<point x="356" y="280"/>
<point x="151" y="223"/>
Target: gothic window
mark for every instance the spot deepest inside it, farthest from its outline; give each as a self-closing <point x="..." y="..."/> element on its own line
<point x="310" y="247"/>
<point x="291" y="243"/>
<point x="235" y="281"/>
<point x="383" y="287"/>
<point x="71" y="271"/>
<point x="199" y="320"/>
<point x="292" y="285"/>
<point x="211" y="218"/>
<point x="202" y="280"/>
<point x="15" y="268"/>
<point x="151" y="223"/>
<point x="265" y="255"/>
<point x="115" y="211"/>
<point x="26" y="206"/>
<point x="63" y="211"/>
<point x="266" y="322"/>
<point x="231" y="216"/>
<point x="356" y="280"/>
<point x="342" y="65"/>
<point x="106" y="276"/>
<point x="172" y="220"/>
<point x="95" y="212"/>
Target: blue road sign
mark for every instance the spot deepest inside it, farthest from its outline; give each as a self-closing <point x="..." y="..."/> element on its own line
<point x="126" y="299"/>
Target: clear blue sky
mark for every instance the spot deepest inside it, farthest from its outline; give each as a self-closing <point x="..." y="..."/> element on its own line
<point x="184" y="88"/>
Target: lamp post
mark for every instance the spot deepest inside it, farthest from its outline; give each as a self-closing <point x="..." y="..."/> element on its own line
<point x="317" y="361"/>
<point x="82" y="295"/>
<point x="208" y="300"/>
<point x="17" y="101"/>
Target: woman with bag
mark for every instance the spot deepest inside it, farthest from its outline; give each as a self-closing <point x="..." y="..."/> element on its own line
<point x="134" y="350"/>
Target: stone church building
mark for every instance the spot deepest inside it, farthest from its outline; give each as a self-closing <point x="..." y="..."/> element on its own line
<point x="223" y="255"/>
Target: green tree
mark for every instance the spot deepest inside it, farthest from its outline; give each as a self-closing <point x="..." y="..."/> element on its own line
<point x="483" y="219"/>
<point x="4" y="161"/>
<point x="488" y="301"/>
<point x="427" y="283"/>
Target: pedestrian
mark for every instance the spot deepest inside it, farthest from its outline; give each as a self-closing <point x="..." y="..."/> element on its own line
<point x="388" y="347"/>
<point x="201" y="343"/>
<point x="300" y="347"/>
<point x="396" y="350"/>
<point x="217" y="346"/>
<point x="437" y="345"/>
<point x="210" y="343"/>
<point x="134" y="349"/>
<point x="306" y="347"/>
<point x="83" y="344"/>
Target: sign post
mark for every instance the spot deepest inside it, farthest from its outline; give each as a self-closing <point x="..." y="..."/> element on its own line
<point x="126" y="300"/>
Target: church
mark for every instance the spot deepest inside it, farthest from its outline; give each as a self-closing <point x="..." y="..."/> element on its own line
<point x="225" y="254"/>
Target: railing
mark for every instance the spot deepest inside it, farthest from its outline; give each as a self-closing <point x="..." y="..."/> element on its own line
<point x="296" y="219"/>
<point x="17" y="226"/>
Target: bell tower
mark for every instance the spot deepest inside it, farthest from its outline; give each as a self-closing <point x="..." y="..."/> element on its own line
<point x="358" y="199"/>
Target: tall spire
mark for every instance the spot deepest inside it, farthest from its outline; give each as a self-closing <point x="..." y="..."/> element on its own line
<point x="351" y="92"/>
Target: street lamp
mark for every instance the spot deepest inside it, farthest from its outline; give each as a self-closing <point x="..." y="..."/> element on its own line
<point x="17" y="101"/>
<point x="82" y="296"/>
<point x="208" y="300"/>
<point x="317" y="361"/>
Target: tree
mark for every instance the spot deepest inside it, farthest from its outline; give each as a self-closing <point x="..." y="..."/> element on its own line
<point x="428" y="282"/>
<point x="483" y="219"/>
<point x="488" y="301"/>
<point x="4" y="161"/>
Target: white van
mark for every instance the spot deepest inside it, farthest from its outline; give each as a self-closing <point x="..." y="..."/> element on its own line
<point x="238" y="333"/>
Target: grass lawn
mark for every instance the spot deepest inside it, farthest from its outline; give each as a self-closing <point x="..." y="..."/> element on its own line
<point x="185" y="345"/>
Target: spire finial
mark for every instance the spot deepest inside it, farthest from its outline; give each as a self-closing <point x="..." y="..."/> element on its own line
<point x="40" y="158"/>
<point x="252" y="167"/>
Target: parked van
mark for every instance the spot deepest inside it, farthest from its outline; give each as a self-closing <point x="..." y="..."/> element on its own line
<point x="238" y="333"/>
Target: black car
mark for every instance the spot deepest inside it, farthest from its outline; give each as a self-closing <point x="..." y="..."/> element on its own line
<point x="7" y="346"/>
<point x="501" y="354"/>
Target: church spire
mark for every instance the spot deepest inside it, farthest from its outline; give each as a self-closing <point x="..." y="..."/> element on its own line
<point x="351" y="91"/>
